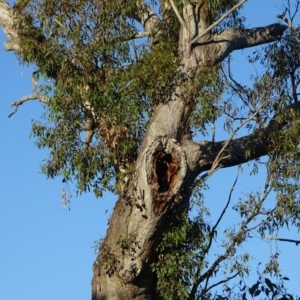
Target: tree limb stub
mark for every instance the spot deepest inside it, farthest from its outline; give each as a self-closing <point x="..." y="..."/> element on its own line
<point x="222" y="44"/>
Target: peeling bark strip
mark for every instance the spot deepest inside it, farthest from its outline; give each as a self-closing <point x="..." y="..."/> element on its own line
<point x="166" y="169"/>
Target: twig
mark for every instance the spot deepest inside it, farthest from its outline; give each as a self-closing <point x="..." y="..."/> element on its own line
<point x="296" y="11"/>
<point x="274" y="238"/>
<point x="196" y="284"/>
<point x="35" y="96"/>
<point x="227" y="204"/>
<point x="215" y="165"/>
<point x="221" y="281"/>
<point x="209" y="173"/>
<point x="209" y="28"/>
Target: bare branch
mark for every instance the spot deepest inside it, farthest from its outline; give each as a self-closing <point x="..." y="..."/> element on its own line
<point x="227" y="204"/>
<point x="236" y="39"/>
<point x="221" y="281"/>
<point x="211" y="235"/>
<point x="140" y="35"/>
<point x="208" y="29"/>
<point x="295" y="11"/>
<point x="89" y="107"/>
<point x="177" y="13"/>
<point x="274" y="238"/>
<point x="27" y="98"/>
<point x="222" y="44"/>
<point x="89" y="128"/>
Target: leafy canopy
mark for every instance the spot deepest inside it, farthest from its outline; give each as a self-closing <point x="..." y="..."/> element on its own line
<point x="97" y="78"/>
<point x="103" y="85"/>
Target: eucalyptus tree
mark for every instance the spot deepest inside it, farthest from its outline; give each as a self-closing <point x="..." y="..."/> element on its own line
<point x="133" y="92"/>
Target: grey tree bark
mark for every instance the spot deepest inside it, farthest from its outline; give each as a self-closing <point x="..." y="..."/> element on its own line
<point x="168" y="165"/>
<point x="169" y="162"/>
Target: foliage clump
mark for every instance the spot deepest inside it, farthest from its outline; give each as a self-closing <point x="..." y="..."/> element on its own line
<point x="101" y="85"/>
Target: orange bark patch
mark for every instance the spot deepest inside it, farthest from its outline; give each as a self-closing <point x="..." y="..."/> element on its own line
<point x="164" y="176"/>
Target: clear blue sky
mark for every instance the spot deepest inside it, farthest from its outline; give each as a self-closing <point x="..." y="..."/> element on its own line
<point x="46" y="252"/>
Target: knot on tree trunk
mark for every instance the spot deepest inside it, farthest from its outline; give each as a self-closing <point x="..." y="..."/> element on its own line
<point x="166" y="170"/>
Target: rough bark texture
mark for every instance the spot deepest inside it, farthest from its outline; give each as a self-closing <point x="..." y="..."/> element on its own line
<point x="167" y="165"/>
<point x="156" y="194"/>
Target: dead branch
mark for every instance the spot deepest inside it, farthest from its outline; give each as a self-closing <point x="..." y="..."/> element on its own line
<point x="140" y="35"/>
<point x="221" y="282"/>
<point x="274" y="238"/>
<point x="35" y="96"/>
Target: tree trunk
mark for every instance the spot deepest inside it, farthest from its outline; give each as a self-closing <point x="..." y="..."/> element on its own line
<point x="159" y="190"/>
<point x="153" y="197"/>
<point x="151" y="201"/>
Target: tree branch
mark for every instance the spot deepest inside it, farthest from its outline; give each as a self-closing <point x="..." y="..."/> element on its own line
<point x="222" y="153"/>
<point x="177" y="13"/>
<point x="225" y="208"/>
<point x="27" y="98"/>
<point x="274" y="238"/>
<point x="211" y="236"/>
<point x="219" y="46"/>
<point x="140" y="35"/>
<point x="145" y="15"/>
<point x="236" y="39"/>
<point x="208" y="29"/>
<point x="247" y="148"/>
<point x="221" y="281"/>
